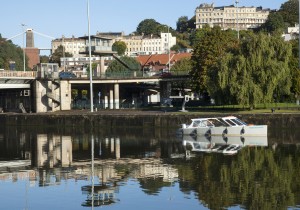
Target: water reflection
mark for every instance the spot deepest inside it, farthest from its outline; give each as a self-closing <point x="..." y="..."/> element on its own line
<point x="114" y="168"/>
<point x="221" y="144"/>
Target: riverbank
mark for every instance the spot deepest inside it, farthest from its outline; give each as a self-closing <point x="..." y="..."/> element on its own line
<point x="139" y="118"/>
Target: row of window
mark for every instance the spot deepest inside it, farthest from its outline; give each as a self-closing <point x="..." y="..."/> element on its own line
<point x="144" y="43"/>
<point x="232" y="15"/>
<point x="229" y="10"/>
<point x="219" y="20"/>
<point x="145" y="49"/>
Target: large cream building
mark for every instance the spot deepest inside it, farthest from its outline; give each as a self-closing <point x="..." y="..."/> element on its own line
<point x="146" y="45"/>
<point x="71" y="45"/>
<point x="230" y="17"/>
<point x="136" y="44"/>
<point x="143" y="45"/>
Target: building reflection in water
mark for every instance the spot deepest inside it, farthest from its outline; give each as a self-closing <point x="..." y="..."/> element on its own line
<point x="53" y="151"/>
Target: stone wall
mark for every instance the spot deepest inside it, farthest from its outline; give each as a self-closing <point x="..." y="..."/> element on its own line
<point x="162" y="120"/>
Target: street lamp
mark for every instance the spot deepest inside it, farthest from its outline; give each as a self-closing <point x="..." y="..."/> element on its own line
<point x="237" y="19"/>
<point x="90" y="55"/>
<point x="23" y="46"/>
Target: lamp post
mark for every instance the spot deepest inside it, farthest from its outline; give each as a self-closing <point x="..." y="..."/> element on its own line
<point x="90" y="59"/>
<point x="169" y="46"/>
<point x="23" y="46"/>
<point x="63" y="48"/>
<point x="237" y="19"/>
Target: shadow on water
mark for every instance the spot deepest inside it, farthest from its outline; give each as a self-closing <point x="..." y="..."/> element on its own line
<point x="258" y="173"/>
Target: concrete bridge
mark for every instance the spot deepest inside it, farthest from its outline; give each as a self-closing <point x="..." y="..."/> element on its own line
<point x="43" y="91"/>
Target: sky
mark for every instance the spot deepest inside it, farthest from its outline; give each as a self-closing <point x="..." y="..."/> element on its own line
<point x="57" y="18"/>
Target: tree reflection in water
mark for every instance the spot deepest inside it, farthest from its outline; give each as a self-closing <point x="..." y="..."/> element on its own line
<point x="256" y="177"/>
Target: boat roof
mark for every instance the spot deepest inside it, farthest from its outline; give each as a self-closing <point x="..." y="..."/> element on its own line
<point x="215" y="118"/>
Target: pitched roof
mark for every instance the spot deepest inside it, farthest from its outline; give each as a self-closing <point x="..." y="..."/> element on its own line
<point x="162" y="59"/>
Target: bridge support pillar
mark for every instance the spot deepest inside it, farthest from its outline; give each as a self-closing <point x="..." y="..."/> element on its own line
<point x="116" y="96"/>
<point x="165" y="91"/>
<point x="111" y="97"/>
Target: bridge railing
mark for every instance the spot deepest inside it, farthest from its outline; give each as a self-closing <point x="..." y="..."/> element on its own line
<point x="135" y="74"/>
<point x="5" y="73"/>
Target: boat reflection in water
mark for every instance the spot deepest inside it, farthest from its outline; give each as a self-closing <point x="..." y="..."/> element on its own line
<point x="220" y="144"/>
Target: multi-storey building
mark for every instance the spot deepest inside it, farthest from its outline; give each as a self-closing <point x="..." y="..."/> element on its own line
<point x="230" y="17"/>
<point x="143" y="45"/>
<point x="71" y="45"/>
<point x="147" y="45"/>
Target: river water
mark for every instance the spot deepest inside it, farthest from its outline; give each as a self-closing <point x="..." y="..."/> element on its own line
<point x="145" y="168"/>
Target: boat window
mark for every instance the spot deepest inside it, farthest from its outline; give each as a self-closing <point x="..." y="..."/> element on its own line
<point x="217" y="122"/>
<point x="196" y="123"/>
<point x="240" y="122"/>
<point x="230" y="123"/>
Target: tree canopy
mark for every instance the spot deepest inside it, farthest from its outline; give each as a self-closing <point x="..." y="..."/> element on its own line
<point x="211" y="44"/>
<point x="290" y="12"/>
<point x="11" y="53"/>
<point x="120" y="47"/>
<point x="117" y="66"/>
<point x="274" y="23"/>
<point x="257" y="73"/>
<point x="59" y="53"/>
<point x="148" y="27"/>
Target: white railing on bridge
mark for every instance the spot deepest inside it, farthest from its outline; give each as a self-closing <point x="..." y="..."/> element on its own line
<point x="17" y="74"/>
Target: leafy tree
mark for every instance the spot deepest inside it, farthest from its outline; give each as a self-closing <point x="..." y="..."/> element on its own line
<point x="290" y="12"/>
<point x="191" y="23"/>
<point x="274" y="23"/>
<point x="10" y="52"/>
<point x="295" y="71"/>
<point x="182" y="67"/>
<point x="148" y="27"/>
<point x="117" y="66"/>
<point x="210" y="45"/>
<point x="120" y="47"/>
<point x="94" y="67"/>
<point x="59" y="53"/>
<point x="44" y="59"/>
<point x="182" y="24"/>
<point x="253" y="75"/>
<point x="175" y="48"/>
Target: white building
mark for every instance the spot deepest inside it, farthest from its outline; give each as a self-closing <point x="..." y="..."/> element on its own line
<point x="143" y="45"/>
<point x="230" y="17"/>
<point x="71" y="45"/>
<point x="292" y="33"/>
<point x="147" y="45"/>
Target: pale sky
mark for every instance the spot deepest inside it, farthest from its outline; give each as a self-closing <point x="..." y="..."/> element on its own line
<point x="55" y="18"/>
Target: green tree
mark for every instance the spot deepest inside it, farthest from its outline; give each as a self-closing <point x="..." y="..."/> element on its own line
<point x="274" y="23"/>
<point x="182" y="24"/>
<point x="59" y="53"/>
<point x="254" y="74"/>
<point x="148" y="27"/>
<point x="44" y="59"/>
<point x="290" y="12"/>
<point x="11" y="53"/>
<point x="295" y="71"/>
<point x="131" y="64"/>
<point x="120" y="47"/>
<point x="182" y="67"/>
<point x="210" y="45"/>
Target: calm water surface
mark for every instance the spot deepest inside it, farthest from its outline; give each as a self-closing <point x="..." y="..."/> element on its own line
<point x="138" y="168"/>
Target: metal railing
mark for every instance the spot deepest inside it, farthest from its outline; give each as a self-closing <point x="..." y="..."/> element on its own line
<point x="5" y="74"/>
